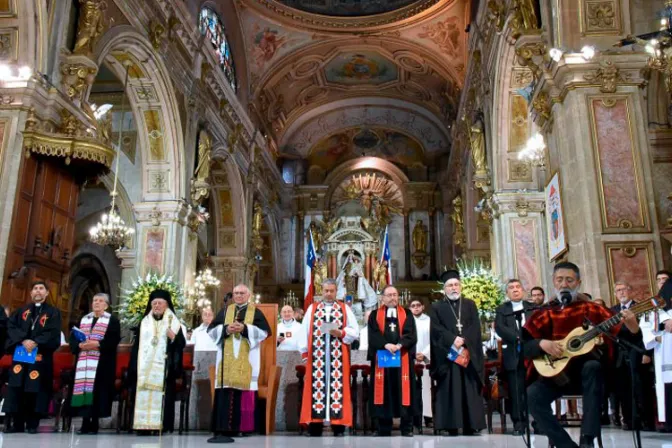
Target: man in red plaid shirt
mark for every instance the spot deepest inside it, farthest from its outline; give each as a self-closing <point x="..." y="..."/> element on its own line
<point x="584" y="375"/>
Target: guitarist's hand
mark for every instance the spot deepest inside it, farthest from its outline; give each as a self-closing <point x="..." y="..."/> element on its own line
<point x="553" y="348"/>
<point x="630" y="321"/>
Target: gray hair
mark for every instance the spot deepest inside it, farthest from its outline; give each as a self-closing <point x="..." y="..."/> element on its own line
<point x="329" y="281"/>
<point x="106" y="297"/>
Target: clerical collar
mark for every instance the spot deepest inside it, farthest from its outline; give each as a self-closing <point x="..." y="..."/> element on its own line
<point x="517" y="306"/>
<point x="423" y="316"/>
<point x="240" y="307"/>
<point x="288" y="322"/>
<point x="392" y="312"/>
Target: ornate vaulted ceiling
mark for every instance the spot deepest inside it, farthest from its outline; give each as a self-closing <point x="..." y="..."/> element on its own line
<point x="323" y="73"/>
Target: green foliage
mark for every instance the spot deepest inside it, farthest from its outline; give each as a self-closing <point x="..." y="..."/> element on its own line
<point x="132" y="308"/>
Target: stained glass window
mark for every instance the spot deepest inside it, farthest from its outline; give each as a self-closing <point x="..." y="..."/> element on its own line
<point x="211" y="26"/>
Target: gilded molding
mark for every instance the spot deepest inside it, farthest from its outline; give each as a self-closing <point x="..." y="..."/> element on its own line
<point x="77" y="77"/>
<point x="608" y="75"/>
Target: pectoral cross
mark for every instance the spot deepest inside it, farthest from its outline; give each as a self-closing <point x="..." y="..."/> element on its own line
<point x="459" y="327"/>
<point x="380" y="375"/>
<point x="405" y="377"/>
<point x="392" y="327"/>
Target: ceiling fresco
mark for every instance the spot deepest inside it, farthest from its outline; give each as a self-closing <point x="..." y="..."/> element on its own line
<point x="348" y="144"/>
<point x="347" y="8"/>
<point x="315" y="79"/>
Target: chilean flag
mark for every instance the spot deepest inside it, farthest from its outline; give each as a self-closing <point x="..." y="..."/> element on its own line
<point x="309" y="288"/>
<point x="387" y="257"/>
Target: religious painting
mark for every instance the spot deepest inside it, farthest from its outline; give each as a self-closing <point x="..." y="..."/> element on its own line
<point x="445" y="34"/>
<point x="155" y="238"/>
<point x="267" y="42"/>
<point x="393" y="146"/>
<point x="555" y="219"/>
<point x="366" y="67"/>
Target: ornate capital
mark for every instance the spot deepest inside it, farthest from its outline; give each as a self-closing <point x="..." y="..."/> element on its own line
<point x="608" y="75"/>
<point x="77" y="76"/>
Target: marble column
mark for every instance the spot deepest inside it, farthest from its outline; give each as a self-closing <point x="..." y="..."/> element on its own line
<point x="433" y="243"/>
<point x="299" y="246"/>
<point x="407" y="246"/>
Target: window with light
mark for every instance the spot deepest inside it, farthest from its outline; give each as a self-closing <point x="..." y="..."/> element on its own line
<point x="212" y="27"/>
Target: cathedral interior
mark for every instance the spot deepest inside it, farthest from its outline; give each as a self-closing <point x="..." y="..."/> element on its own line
<point x="240" y="135"/>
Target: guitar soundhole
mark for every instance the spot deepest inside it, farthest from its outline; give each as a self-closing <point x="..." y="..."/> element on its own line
<point x="574" y="344"/>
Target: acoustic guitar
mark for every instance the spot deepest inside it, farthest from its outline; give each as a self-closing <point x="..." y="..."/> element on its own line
<point x="582" y="340"/>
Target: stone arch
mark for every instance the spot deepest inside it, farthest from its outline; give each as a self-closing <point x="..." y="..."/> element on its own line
<point x="152" y="99"/>
<point x="339" y="174"/>
<point x="89" y="276"/>
<point x="234" y="230"/>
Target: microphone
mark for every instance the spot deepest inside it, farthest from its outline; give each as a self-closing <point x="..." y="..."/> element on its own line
<point x="565" y="297"/>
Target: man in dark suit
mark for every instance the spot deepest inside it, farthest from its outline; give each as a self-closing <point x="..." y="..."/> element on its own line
<point x="622" y="385"/>
<point x="509" y="319"/>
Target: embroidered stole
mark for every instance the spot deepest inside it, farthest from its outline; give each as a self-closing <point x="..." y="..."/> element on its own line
<point x="87" y="362"/>
<point x="152" y="370"/>
<point x="238" y="372"/>
<point x="379" y="385"/>
<point x="317" y="341"/>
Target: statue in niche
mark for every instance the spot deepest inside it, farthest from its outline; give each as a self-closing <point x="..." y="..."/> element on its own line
<point x="200" y="187"/>
<point x="458" y="221"/>
<point x="420" y="237"/>
<point x="320" y="275"/>
<point x="91" y="25"/>
<point x="477" y="141"/>
<point x="379" y="275"/>
<point x="318" y="239"/>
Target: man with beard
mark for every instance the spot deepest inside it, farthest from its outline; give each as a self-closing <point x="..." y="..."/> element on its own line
<point x="537" y="296"/>
<point x="509" y="319"/>
<point x="459" y="380"/>
<point x="34" y="327"/>
<point x="156" y="364"/>
<point x="392" y="330"/>
<point x="423" y="399"/>
<point x="584" y="375"/>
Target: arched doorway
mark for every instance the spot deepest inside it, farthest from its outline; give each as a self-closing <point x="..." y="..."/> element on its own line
<point x="88" y="277"/>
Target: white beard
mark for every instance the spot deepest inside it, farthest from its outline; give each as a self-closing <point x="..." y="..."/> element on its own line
<point x="454" y="296"/>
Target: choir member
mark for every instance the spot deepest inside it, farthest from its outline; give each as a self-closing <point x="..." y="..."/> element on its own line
<point x="199" y="337"/>
<point x="509" y="319"/>
<point x="156" y="364"/>
<point x="35" y="327"/>
<point x="423" y="400"/>
<point x="657" y="334"/>
<point x="290" y="332"/>
<point x="238" y="339"/>
<point x="329" y="327"/>
<point x="584" y="375"/>
<point x="93" y="388"/>
<point x="456" y="325"/>
<point x="392" y="329"/>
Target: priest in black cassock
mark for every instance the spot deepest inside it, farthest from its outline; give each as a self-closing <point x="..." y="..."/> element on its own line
<point x="238" y="337"/>
<point x="155" y="366"/>
<point x="93" y="387"/>
<point x="35" y="327"/>
<point x="392" y="329"/>
<point x="455" y="323"/>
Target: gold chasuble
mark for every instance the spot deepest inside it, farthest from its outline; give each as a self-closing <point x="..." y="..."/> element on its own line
<point x="152" y="370"/>
<point x="238" y="372"/>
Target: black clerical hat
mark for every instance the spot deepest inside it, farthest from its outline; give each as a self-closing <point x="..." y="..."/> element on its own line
<point x="449" y="274"/>
<point x="159" y="294"/>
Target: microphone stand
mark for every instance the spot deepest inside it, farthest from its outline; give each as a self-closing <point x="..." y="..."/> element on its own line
<point x="629" y="347"/>
<point x="519" y="358"/>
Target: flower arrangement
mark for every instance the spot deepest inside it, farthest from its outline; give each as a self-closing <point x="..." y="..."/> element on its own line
<point x="133" y="305"/>
<point x="482" y="286"/>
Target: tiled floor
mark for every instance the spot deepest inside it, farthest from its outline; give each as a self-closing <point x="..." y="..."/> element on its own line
<point x="613" y="438"/>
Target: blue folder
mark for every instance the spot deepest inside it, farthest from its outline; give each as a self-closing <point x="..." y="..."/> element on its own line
<point x="79" y="335"/>
<point x="387" y="359"/>
<point x="22" y="355"/>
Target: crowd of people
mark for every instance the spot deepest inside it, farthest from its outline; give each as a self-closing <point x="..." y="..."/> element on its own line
<point x="446" y="340"/>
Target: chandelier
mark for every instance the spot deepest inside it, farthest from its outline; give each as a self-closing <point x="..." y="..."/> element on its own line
<point x="658" y="44"/>
<point x="534" y="151"/>
<point x="198" y="293"/>
<point x="112" y="230"/>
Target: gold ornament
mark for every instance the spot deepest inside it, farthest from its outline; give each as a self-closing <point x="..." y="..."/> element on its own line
<point x="91" y="25"/>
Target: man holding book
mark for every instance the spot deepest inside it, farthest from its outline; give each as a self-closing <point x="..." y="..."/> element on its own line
<point x="34" y="333"/>
<point x="94" y="344"/>
<point x="392" y="341"/>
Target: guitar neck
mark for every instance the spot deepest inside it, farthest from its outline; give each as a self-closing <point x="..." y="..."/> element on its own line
<point x="638" y="309"/>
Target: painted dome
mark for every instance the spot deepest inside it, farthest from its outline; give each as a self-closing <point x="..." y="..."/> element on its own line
<point x="347" y="8"/>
